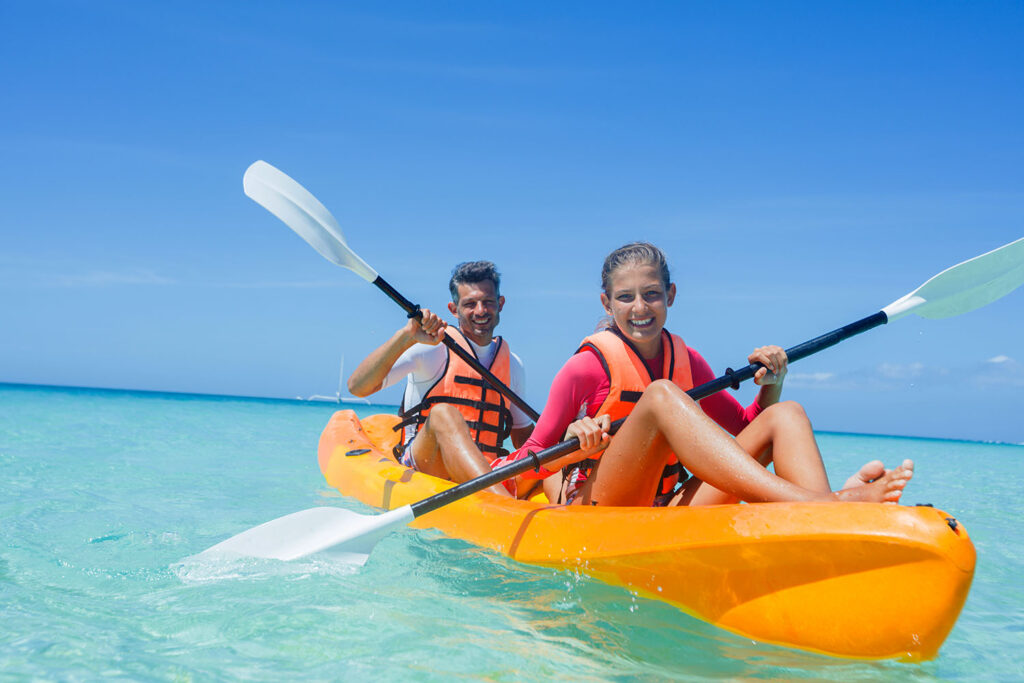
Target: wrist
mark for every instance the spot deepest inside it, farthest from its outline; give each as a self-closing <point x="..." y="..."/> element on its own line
<point x="769" y="395"/>
<point x="407" y="334"/>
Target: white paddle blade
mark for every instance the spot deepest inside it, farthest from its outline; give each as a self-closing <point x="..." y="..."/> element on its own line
<point x="303" y="213"/>
<point x="342" y="534"/>
<point x="966" y="286"/>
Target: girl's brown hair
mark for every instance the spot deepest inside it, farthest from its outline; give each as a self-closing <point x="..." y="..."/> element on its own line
<point x="634" y="253"/>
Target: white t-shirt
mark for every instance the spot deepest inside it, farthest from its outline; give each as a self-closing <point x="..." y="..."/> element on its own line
<point x="423" y="365"/>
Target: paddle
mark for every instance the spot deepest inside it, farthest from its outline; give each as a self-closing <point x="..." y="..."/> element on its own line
<point x="303" y="213"/>
<point x="959" y="289"/>
<point x="351" y="536"/>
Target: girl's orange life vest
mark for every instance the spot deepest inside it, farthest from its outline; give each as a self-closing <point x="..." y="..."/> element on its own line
<point x="485" y="409"/>
<point x="629" y="376"/>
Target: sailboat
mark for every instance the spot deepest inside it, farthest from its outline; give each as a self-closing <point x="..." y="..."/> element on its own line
<point x="338" y="398"/>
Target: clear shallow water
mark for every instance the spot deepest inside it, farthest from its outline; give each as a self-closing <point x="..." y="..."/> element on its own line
<point x="104" y="496"/>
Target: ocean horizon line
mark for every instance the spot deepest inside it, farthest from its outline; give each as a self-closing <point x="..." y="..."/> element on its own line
<point x="353" y="401"/>
<point x="315" y="399"/>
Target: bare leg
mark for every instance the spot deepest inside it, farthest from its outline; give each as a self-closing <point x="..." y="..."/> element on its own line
<point x="666" y="419"/>
<point x="787" y="430"/>
<point x="782" y="433"/>
<point x="442" y="448"/>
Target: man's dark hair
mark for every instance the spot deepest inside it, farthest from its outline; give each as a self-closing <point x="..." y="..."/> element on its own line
<point x="472" y="272"/>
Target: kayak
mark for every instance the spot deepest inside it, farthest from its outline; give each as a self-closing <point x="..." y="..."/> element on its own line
<point x="858" y="580"/>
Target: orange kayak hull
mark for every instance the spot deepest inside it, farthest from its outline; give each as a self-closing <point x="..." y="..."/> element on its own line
<point x="859" y="580"/>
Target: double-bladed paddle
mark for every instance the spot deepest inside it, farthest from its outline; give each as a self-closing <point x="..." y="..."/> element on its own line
<point x="304" y="214"/>
<point x="351" y="535"/>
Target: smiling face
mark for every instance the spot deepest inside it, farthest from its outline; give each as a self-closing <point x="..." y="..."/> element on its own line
<point x="638" y="302"/>
<point x="477" y="310"/>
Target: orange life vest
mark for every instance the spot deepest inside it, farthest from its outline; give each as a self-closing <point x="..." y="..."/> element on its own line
<point x="485" y="409"/>
<point x="628" y="377"/>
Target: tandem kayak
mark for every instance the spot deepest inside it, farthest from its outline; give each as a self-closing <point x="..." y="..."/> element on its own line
<point x="860" y="580"/>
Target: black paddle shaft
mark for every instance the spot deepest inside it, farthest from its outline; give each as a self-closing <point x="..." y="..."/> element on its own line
<point x="730" y="379"/>
<point x="414" y="312"/>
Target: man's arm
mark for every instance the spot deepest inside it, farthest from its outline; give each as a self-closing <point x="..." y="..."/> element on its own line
<point x="368" y="377"/>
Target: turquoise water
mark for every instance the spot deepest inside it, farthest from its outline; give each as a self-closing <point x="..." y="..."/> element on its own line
<point x="105" y="495"/>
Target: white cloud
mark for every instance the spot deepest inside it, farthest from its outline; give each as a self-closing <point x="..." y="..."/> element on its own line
<point x="809" y="378"/>
<point x="999" y="371"/>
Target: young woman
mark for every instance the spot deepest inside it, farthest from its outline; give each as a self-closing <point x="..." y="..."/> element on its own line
<point x="637" y="368"/>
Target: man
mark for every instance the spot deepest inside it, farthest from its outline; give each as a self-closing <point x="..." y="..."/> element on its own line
<point x="454" y="421"/>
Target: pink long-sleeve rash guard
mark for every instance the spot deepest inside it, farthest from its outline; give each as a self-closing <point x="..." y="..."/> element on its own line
<point x="581" y="386"/>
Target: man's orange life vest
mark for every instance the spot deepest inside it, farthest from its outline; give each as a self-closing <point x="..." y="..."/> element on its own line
<point x="485" y="409"/>
<point x="628" y="376"/>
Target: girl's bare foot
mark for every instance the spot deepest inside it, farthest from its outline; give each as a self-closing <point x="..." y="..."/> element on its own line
<point x="866" y="474"/>
<point x="886" y="489"/>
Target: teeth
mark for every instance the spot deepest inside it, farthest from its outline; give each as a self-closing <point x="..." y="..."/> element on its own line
<point x="641" y="323"/>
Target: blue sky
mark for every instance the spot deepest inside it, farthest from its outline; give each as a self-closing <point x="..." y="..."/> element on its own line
<point x="802" y="164"/>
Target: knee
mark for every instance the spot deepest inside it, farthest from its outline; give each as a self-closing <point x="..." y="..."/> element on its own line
<point x="787" y="411"/>
<point x="664" y="390"/>
<point x="445" y="416"/>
